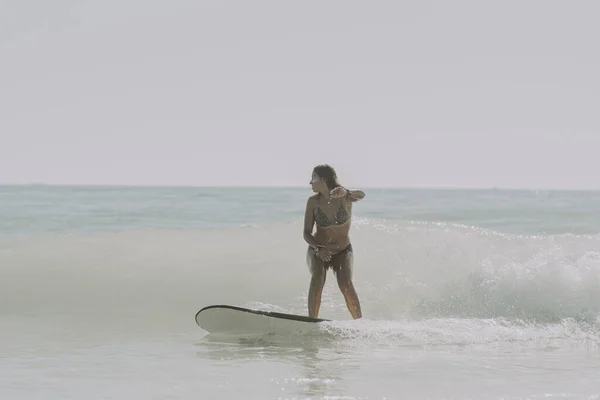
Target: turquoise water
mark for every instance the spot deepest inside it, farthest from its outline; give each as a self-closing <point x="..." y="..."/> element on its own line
<point x="491" y="294"/>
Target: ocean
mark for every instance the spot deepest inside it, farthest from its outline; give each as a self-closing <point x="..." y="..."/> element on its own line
<point x="466" y="294"/>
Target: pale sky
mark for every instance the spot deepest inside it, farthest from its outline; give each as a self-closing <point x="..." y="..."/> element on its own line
<point x="391" y="93"/>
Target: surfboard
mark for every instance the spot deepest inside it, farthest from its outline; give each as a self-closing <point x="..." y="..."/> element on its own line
<point x="226" y="319"/>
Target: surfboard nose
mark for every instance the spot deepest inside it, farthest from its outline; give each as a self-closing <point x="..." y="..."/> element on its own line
<point x="234" y="320"/>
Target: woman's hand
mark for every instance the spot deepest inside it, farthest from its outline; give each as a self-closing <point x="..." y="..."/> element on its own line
<point x="323" y="254"/>
<point x="338" y="192"/>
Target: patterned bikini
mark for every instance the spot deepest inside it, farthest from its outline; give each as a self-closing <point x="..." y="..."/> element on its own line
<point x="340" y="217"/>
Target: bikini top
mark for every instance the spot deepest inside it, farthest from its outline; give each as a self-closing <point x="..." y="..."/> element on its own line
<point x="339" y="217"/>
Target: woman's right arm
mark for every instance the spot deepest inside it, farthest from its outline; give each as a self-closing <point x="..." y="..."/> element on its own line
<point x="309" y="220"/>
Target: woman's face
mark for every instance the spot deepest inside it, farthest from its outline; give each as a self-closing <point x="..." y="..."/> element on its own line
<point x="317" y="183"/>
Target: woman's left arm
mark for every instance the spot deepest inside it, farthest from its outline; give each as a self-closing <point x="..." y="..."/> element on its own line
<point x="354" y="194"/>
<point x="349" y="194"/>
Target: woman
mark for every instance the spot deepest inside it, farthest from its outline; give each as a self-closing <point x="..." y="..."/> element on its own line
<point x="331" y="210"/>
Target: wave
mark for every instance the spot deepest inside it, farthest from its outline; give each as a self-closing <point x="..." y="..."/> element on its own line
<point x="403" y="272"/>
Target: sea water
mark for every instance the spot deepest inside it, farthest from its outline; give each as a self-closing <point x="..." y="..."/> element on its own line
<point x="478" y="294"/>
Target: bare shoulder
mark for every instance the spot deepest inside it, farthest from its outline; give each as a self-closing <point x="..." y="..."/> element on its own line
<point x="311" y="204"/>
<point x="313" y="200"/>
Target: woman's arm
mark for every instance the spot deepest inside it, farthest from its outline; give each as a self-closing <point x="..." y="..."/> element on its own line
<point x="350" y="194"/>
<point x="355" y="194"/>
<point x="309" y="220"/>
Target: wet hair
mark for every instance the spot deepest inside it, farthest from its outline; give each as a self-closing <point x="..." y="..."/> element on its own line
<point x="326" y="171"/>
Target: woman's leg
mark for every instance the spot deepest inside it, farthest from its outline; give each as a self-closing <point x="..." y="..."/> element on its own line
<point x="343" y="271"/>
<point x="318" y="272"/>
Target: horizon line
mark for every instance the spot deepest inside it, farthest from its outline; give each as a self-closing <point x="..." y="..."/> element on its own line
<point x="398" y="187"/>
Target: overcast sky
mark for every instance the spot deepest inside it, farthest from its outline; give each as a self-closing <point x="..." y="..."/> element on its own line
<point x="392" y="93"/>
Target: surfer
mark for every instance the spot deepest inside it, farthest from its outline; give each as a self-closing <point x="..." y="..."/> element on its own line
<point x="330" y="209"/>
